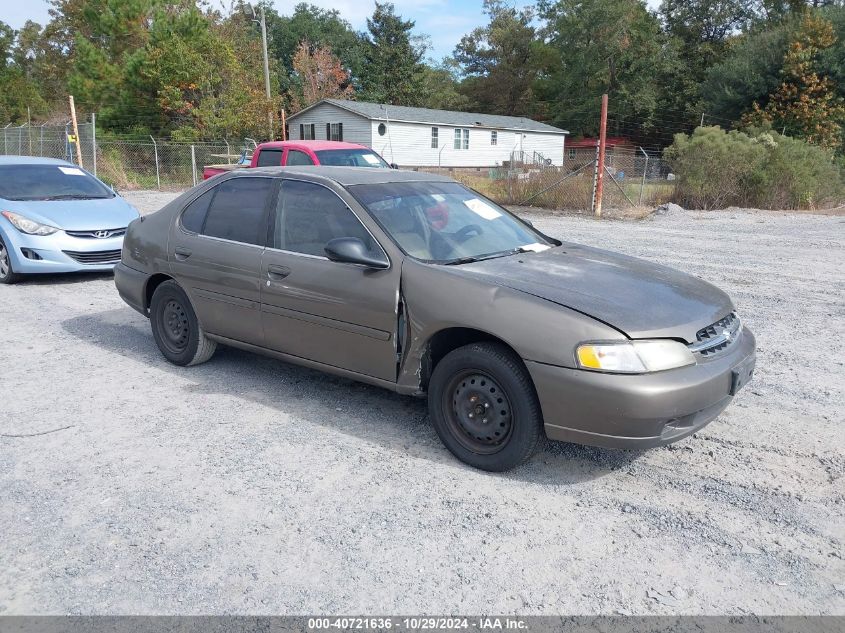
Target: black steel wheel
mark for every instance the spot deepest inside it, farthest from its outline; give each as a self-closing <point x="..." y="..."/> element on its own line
<point x="484" y="407"/>
<point x="176" y="329"/>
<point x="175" y="326"/>
<point x="480" y="414"/>
<point x="7" y="273"/>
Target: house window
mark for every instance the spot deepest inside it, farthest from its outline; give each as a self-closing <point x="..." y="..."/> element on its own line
<point x="435" y="132"/>
<point x="494" y="138"/>
<point x="571" y="153"/>
<point x="334" y="131"/>
<point x="461" y="138"/>
<point x="306" y="132"/>
<point x="382" y="129"/>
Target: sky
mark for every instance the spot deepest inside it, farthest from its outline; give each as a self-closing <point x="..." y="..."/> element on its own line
<point x="444" y="21"/>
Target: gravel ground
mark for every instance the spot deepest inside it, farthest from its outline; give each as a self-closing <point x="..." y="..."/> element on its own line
<point x="247" y="485"/>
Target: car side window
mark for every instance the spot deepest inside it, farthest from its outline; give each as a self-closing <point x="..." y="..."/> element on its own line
<point x="269" y="158"/>
<point x="295" y="157"/>
<point x="193" y="217"/>
<point x="308" y="216"/>
<point x="237" y="211"/>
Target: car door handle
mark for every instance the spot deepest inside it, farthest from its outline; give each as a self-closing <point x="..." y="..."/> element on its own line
<point x="181" y="253"/>
<point x="277" y="272"/>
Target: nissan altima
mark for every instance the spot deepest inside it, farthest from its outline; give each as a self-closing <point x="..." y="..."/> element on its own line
<point x="56" y="217"/>
<point x="415" y="283"/>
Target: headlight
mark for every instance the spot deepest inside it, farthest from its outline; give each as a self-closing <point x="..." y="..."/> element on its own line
<point x="634" y="357"/>
<point x="25" y="225"/>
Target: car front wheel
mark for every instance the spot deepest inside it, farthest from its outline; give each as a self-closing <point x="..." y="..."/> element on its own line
<point x="7" y="273"/>
<point x="176" y="329"/>
<point x="484" y="407"/>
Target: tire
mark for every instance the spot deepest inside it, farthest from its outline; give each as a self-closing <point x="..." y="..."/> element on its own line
<point x="176" y="329"/>
<point x="7" y="273"/>
<point x="484" y="407"/>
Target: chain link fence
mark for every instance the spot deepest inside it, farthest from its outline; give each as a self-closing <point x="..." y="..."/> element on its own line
<point x="52" y="141"/>
<point x="124" y="164"/>
<point x="633" y="179"/>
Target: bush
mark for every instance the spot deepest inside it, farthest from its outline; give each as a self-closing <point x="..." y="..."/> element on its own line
<point x="759" y="168"/>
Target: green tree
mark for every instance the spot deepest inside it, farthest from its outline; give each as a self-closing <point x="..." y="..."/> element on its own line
<point x="322" y="28"/>
<point x="603" y="46"/>
<point x="699" y="31"/>
<point x="441" y="89"/>
<point x="19" y="94"/>
<point x="806" y="102"/>
<point x="392" y="58"/>
<point x="501" y="60"/>
<point x="752" y="69"/>
<point x="7" y="42"/>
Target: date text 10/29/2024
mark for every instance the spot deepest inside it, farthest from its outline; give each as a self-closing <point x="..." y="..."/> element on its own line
<point x="416" y="624"/>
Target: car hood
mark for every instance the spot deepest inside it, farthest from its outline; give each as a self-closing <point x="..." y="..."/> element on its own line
<point x="637" y="297"/>
<point x="76" y="215"/>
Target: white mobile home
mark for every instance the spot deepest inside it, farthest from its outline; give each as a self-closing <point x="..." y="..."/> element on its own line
<point x="421" y="137"/>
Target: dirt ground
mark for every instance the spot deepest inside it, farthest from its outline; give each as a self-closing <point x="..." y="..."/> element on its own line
<point x="247" y="485"/>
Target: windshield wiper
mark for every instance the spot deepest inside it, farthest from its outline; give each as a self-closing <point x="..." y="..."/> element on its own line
<point x="75" y="196"/>
<point x="478" y="258"/>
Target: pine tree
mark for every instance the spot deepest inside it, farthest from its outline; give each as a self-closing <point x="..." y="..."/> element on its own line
<point x="392" y="59"/>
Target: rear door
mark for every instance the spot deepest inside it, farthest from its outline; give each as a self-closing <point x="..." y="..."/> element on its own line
<point x="215" y="254"/>
<point x="338" y="314"/>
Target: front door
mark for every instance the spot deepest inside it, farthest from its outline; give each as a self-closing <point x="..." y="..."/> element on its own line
<point x="216" y="256"/>
<point x="342" y="315"/>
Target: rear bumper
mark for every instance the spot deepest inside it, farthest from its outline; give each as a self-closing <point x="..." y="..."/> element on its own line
<point x="131" y="286"/>
<point x="642" y="411"/>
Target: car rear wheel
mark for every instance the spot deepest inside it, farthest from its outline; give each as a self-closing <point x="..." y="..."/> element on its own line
<point x="484" y="408"/>
<point x="7" y="274"/>
<point x="176" y="329"/>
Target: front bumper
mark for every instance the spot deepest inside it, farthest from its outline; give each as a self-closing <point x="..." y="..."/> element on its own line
<point x="639" y="411"/>
<point x="50" y="253"/>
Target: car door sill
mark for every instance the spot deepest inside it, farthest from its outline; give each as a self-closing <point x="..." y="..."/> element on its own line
<point x="330" y="369"/>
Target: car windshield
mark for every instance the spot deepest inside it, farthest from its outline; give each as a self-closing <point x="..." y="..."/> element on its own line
<point x="446" y="223"/>
<point x="49" y="182"/>
<point x="351" y="158"/>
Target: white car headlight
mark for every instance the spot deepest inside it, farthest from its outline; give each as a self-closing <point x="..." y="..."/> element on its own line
<point x="634" y="357"/>
<point x="25" y="225"/>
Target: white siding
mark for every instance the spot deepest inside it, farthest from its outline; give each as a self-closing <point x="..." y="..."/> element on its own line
<point x="356" y="129"/>
<point x="409" y="145"/>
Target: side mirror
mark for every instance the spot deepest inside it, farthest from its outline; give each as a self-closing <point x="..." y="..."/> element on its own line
<point x="394" y="166"/>
<point x="351" y="250"/>
<point x="528" y="222"/>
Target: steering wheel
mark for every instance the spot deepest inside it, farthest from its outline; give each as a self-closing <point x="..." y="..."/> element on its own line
<point x="464" y="234"/>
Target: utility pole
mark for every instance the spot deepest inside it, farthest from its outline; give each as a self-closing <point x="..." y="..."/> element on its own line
<point x="599" y="179"/>
<point x="702" y="119"/>
<point x="262" y="20"/>
<point x="75" y="132"/>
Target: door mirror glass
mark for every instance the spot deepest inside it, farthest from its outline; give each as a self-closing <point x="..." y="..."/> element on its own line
<point x="351" y="250"/>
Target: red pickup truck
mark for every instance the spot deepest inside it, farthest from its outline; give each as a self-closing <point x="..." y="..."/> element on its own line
<point x="280" y="153"/>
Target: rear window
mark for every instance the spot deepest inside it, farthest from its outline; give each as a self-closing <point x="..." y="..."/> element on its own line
<point x="269" y="158"/>
<point x="49" y="182"/>
<point x="233" y="210"/>
<point x="351" y="158"/>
